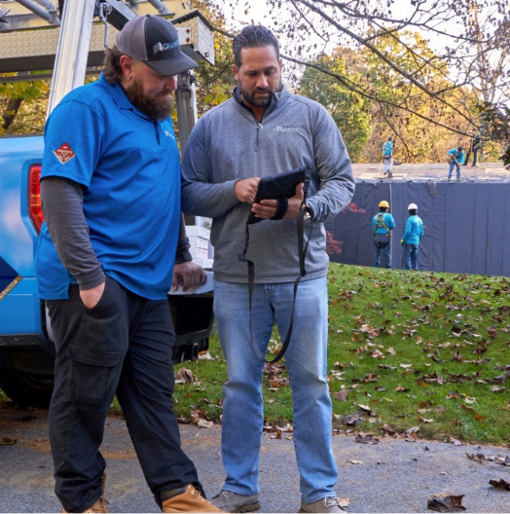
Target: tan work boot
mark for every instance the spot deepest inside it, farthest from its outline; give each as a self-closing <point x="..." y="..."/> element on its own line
<point x="191" y="500"/>
<point x="100" y="504"/>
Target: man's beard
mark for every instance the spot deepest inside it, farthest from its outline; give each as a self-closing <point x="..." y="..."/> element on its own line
<point x="253" y="100"/>
<point x="157" y="108"/>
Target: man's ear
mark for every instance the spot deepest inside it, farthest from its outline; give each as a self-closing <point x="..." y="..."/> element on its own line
<point x="126" y="63"/>
<point x="235" y="69"/>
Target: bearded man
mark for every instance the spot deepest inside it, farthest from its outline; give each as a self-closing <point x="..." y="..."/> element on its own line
<point x="106" y="258"/>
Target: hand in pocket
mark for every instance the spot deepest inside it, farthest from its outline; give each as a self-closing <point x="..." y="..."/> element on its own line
<point x="91" y="297"/>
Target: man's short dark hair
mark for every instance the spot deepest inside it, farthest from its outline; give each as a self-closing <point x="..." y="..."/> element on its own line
<point x="254" y="36"/>
<point x="459" y="148"/>
<point x="112" y="70"/>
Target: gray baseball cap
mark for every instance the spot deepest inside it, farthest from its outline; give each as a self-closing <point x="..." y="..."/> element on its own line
<point x="155" y="42"/>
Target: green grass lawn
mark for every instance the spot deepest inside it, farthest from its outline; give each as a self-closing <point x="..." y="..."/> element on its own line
<point x="427" y="350"/>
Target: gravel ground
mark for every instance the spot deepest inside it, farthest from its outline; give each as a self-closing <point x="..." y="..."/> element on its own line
<point x="392" y="476"/>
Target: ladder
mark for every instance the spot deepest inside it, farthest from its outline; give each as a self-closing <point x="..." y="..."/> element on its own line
<point x="65" y="42"/>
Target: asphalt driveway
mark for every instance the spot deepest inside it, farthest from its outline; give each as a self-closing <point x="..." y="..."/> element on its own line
<point x="392" y="476"/>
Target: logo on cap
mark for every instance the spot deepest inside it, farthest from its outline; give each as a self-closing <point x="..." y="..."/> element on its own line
<point x="161" y="47"/>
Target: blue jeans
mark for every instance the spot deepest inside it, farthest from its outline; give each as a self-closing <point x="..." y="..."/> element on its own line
<point x="387" y="164"/>
<point x="452" y="165"/>
<point x="411" y="256"/>
<point x="306" y="361"/>
<point x="382" y="244"/>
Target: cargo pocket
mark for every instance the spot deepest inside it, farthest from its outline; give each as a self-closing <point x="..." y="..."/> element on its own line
<point x="92" y="372"/>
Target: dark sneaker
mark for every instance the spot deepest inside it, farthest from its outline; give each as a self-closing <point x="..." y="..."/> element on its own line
<point x="190" y="500"/>
<point x="458" y="180"/>
<point x="228" y="501"/>
<point x="329" y="504"/>
<point x="101" y="504"/>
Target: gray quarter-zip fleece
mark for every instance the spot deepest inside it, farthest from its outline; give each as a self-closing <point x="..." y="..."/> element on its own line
<point x="228" y="144"/>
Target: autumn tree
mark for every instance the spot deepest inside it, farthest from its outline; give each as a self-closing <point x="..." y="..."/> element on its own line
<point x="215" y="83"/>
<point x="23" y="106"/>
<point x="350" y="111"/>
<point x="470" y="36"/>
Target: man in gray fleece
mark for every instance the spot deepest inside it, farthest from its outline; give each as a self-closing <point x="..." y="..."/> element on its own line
<point x="262" y="130"/>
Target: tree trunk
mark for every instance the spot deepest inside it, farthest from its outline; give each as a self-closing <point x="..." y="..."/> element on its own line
<point x="10" y="112"/>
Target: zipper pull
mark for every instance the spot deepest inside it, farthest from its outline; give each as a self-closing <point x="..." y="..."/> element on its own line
<point x="260" y="125"/>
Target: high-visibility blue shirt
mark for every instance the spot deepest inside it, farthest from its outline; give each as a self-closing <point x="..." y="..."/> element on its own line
<point x="387" y="148"/>
<point x="458" y="155"/>
<point x="414" y="230"/>
<point x="130" y="168"/>
<point x="388" y="220"/>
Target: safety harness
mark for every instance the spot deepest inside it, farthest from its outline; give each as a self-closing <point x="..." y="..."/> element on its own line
<point x="379" y="223"/>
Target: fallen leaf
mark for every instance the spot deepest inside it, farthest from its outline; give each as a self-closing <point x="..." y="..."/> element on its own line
<point x="6" y="440"/>
<point x="446" y="504"/>
<point x="341" y="395"/>
<point x="184" y="376"/>
<point x="477" y="457"/>
<point x="502" y="484"/>
<point x="204" y="356"/>
<point x="367" y="439"/>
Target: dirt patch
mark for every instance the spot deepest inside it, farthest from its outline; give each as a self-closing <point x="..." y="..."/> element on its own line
<point x="40" y="445"/>
<point x="129" y="453"/>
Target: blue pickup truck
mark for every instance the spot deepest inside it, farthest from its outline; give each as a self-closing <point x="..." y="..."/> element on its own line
<point x="26" y="347"/>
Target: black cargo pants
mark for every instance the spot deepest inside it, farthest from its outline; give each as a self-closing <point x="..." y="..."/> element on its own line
<point x="123" y="345"/>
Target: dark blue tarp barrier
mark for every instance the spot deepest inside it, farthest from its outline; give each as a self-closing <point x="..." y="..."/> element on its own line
<point x="467" y="225"/>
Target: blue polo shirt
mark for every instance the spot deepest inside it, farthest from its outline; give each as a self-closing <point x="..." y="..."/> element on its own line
<point x="130" y="168"/>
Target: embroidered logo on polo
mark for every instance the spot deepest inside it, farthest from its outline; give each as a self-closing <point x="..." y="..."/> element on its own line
<point x="9" y="279"/>
<point x="64" y="153"/>
<point x="161" y="47"/>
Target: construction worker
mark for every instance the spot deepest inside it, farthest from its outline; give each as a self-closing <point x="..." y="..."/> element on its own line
<point x="382" y="225"/>
<point x="474" y="146"/>
<point x="387" y="151"/>
<point x="411" y="238"/>
<point x="456" y="156"/>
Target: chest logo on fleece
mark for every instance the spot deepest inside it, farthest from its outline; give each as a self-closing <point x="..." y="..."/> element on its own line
<point x="64" y="153"/>
<point x="284" y="128"/>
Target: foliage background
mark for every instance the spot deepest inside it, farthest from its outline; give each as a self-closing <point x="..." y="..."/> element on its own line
<point x="387" y="79"/>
